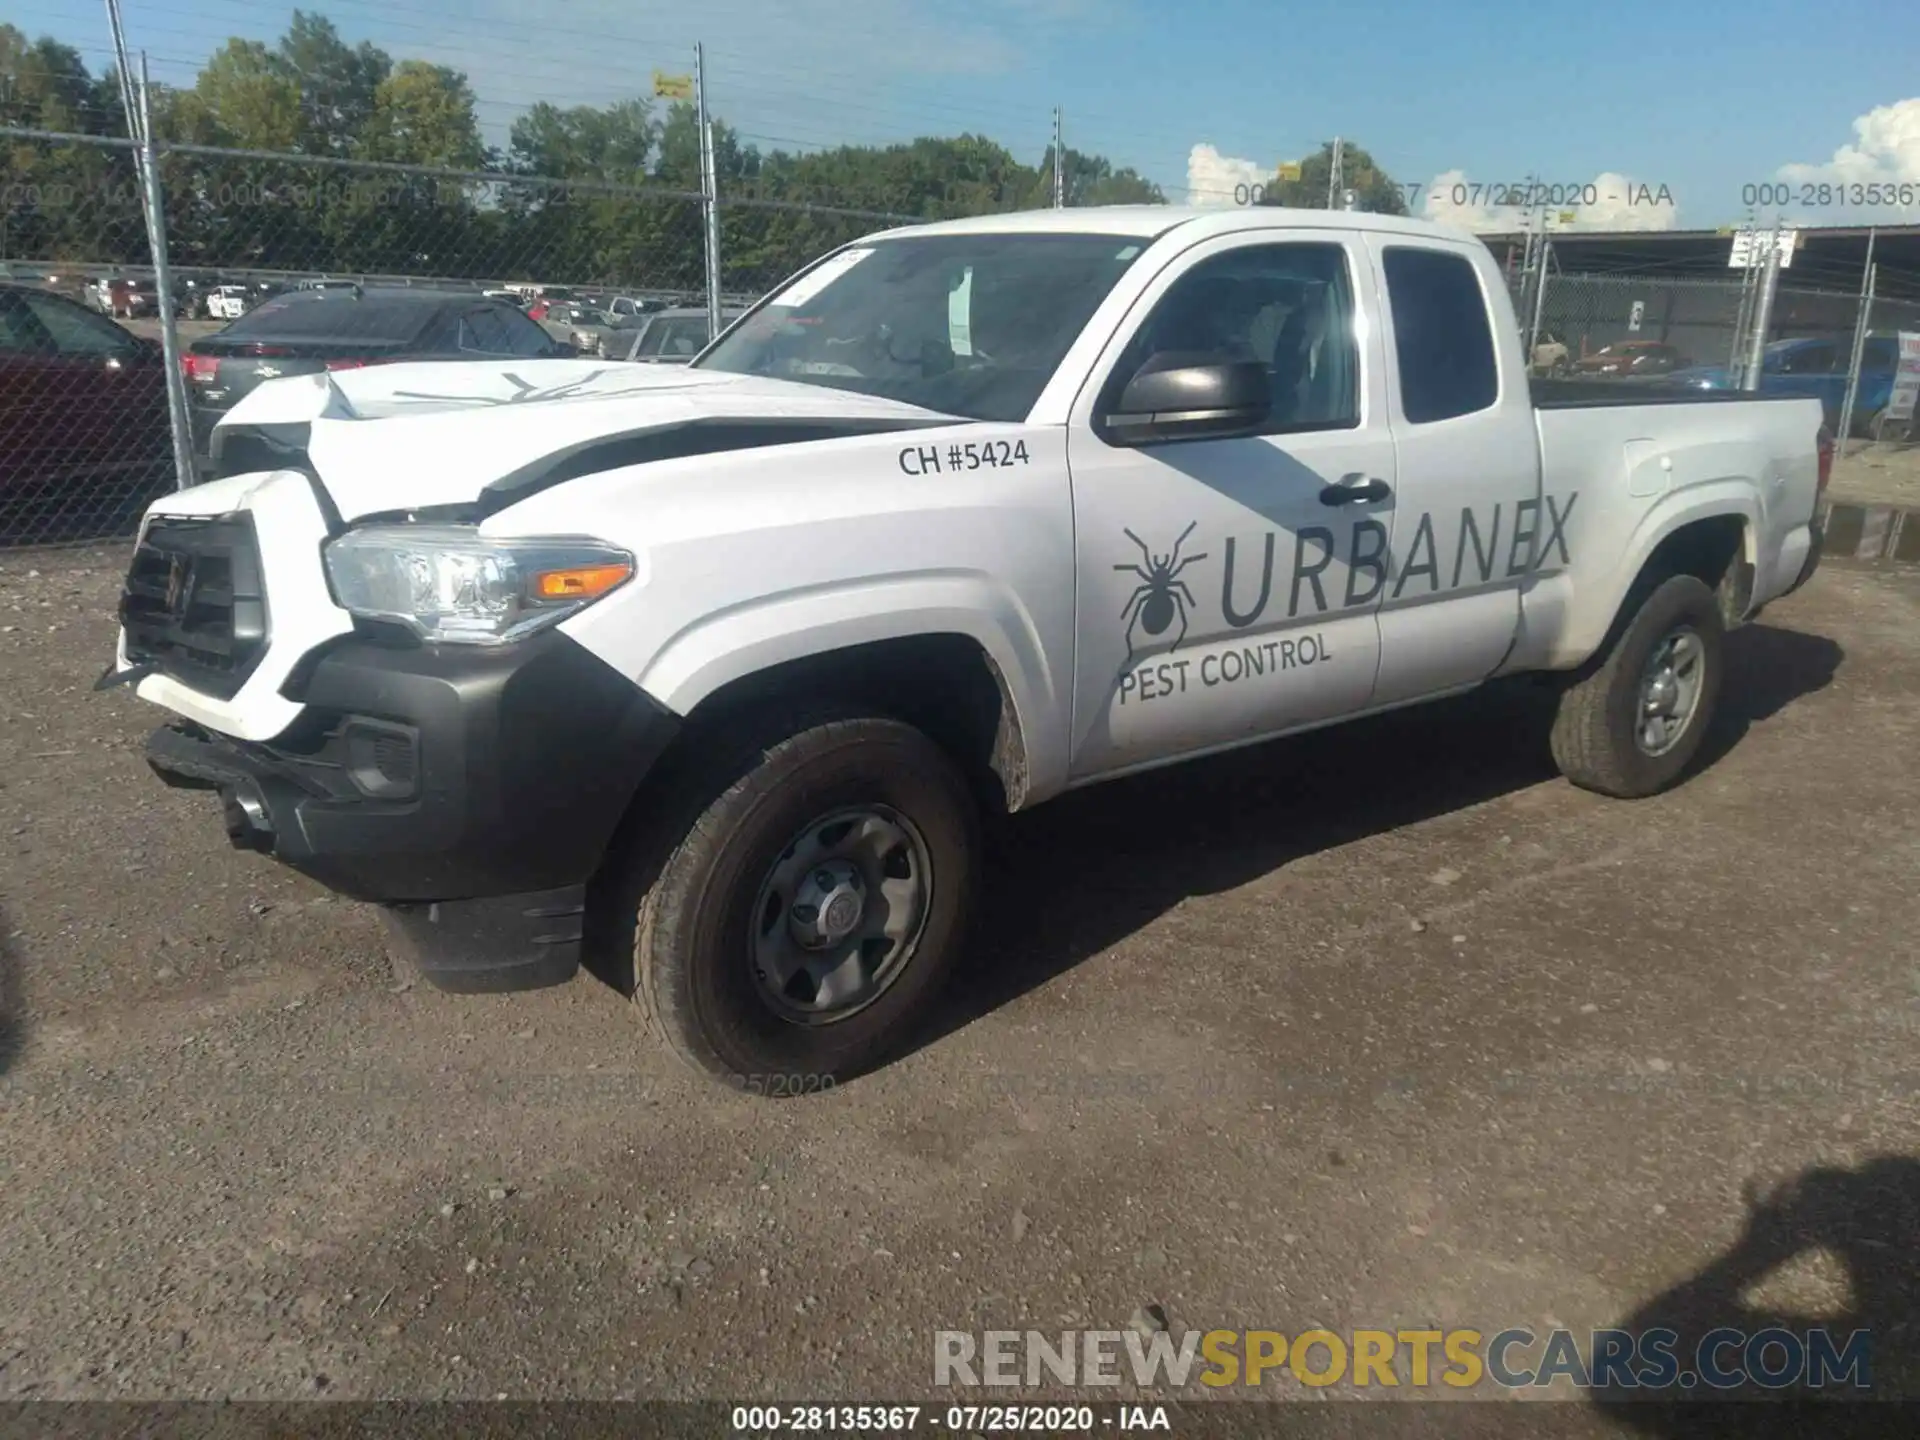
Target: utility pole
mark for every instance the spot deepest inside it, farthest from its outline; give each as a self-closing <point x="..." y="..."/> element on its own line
<point x="1763" y="311"/>
<point x="1539" y="290"/>
<point x="1059" y="164"/>
<point x="709" y="190"/>
<point x="1333" y="174"/>
<point x="1860" y="326"/>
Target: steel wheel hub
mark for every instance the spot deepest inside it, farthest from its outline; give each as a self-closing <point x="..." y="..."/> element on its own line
<point x="828" y="906"/>
<point x="839" y="914"/>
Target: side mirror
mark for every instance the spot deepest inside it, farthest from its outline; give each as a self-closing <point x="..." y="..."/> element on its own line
<point x="1177" y="396"/>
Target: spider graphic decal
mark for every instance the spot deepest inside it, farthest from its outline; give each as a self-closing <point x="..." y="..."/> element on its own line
<point x="525" y="394"/>
<point x="1162" y="597"/>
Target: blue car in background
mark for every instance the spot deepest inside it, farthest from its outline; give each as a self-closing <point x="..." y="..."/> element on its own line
<point x="1816" y="368"/>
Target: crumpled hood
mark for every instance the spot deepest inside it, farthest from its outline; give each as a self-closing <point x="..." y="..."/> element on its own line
<point x="410" y="436"/>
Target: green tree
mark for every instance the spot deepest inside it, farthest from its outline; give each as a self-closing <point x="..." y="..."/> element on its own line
<point x="1094" y="180"/>
<point x="338" y="84"/>
<point x="243" y="98"/>
<point x="1377" y="191"/>
<point x="62" y="202"/>
<point x="422" y="115"/>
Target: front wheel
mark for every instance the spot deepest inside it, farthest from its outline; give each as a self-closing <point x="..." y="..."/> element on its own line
<point x="802" y="926"/>
<point x="1632" y="725"/>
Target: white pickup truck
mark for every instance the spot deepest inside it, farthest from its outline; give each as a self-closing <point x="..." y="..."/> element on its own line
<point x="727" y="659"/>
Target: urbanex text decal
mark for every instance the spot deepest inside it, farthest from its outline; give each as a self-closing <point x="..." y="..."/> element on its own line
<point x="1292" y="577"/>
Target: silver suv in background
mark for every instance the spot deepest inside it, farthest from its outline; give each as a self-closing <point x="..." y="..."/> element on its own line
<point x="671" y="337"/>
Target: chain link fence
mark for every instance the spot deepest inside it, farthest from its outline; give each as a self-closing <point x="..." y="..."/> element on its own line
<point x="1634" y="329"/>
<point x="594" y="267"/>
<point x="85" y="438"/>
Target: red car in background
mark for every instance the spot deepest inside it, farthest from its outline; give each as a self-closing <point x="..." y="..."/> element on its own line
<point x="1633" y="359"/>
<point x="84" y="439"/>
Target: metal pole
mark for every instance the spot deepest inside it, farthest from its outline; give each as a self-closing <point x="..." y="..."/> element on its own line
<point x="1860" y="326"/>
<point x="1539" y="293"/>
<point x="1763" y="313"/>
<point x="1059" y="165"/>
<point x="163" y="289"/>
<point x="123" y="68"/>
<point x="1737" y="352"/>
<point x="1333" y="173"/>
<point x="709" y="190"/>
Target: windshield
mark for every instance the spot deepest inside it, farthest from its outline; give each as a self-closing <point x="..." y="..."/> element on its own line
<point x="970" y="325"/>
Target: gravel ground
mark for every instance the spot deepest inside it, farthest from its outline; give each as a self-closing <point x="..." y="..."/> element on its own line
<point x="1387" y="1026"/>
<point x="1878" y="475"/>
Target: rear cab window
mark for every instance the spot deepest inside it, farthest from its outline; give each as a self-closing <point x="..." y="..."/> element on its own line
<point x="1441" y="334"/>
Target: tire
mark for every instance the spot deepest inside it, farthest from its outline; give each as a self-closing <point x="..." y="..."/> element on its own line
<point x="698" y="976"/>
<point x="1596" y="731"/>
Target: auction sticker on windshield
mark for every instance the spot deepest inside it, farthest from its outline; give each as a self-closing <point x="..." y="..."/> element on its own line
<point x="819" y="278"/>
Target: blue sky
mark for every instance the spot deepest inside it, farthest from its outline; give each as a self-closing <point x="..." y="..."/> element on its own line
<point x="1702" y="99"/>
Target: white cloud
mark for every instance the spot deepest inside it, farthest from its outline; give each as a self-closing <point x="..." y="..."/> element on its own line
<point x="1216" y="179"/>
<point x="1885" y="152"/>
<point x="1610" y="201"/>
<point x="1886" y="146"/>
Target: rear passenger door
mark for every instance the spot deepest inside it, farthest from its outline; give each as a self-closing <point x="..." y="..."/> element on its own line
<point x="1471" y="521"/>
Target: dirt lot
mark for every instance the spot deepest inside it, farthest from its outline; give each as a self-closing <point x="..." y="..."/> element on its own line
<point x="1885" y="474"/>
<point x="1385" y="1027"/>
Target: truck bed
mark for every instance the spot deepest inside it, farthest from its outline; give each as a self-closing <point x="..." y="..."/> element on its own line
<point x="1612" y="394"/>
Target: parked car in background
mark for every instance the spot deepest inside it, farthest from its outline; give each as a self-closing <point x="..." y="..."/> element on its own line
<point x="1818" y="366"/>
<point x="673" y="337"/>
<point x="562" y="319"/>
<point x="84" y="438"/>
<point x="612" y="325"/>
<point x="545" y="299"/>
<point x="228" y="302"/>
<point x="1630" y="360"/>
<point x="119" y="298"/>
<point x="308" y="331"/>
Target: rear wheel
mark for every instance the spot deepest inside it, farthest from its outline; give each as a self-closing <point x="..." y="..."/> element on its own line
<point x="802" y="925"/>
<point x="1632" y="725"/>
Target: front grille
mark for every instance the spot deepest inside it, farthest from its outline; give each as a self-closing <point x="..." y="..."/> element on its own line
<point x="193" y="602"/>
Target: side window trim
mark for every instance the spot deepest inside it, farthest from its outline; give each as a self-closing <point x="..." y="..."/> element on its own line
<point x="1353" y="268"/>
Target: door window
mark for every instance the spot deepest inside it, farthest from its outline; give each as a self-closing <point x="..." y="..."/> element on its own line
<point x="1440" y="334"/>
<point x="1286" y="307"/>
<point x="523" y="337"/>
<point x="481" y="330"/>
<point x="76" y="331"/>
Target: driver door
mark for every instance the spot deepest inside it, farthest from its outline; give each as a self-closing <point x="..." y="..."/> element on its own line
<point x="1229" y="589"/>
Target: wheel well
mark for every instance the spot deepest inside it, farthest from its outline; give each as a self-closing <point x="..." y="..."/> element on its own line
<point x="947" y="686"/>
<point x="1714" y="552"/>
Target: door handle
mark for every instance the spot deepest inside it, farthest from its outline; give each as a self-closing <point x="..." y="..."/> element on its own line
<point x="1348" y="493"/>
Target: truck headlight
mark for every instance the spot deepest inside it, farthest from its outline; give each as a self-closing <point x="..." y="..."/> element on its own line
<point x="448" y="583"/>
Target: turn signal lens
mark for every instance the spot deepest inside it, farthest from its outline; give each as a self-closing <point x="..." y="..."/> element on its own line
<point x="587" y="582"/>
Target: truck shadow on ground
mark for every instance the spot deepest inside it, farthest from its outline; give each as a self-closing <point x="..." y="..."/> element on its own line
<point x="13" y="1035"/>
<point x="1086" y="870"/>
<point x="1865" y="1223"/>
